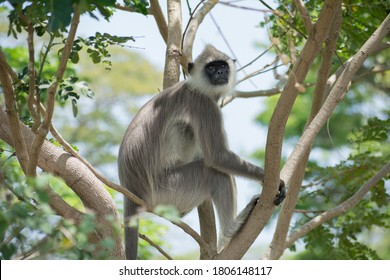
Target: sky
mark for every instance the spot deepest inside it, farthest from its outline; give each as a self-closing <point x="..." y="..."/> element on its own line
<point x="241" y="30"/>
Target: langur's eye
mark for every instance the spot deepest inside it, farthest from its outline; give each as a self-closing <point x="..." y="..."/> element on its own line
<point x="210" y="68"/>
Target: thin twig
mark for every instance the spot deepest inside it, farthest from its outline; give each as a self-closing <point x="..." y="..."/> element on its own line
<point x="251" y="94"/>
<point x="284" y="20"/>
<point x="256" y="58"/>
<point x="147" y="239"/>
<point x="187" y="229"/>
<point x="18" y="196"/>
<point x="229" y="4"/>
<point x="125" y="8"/>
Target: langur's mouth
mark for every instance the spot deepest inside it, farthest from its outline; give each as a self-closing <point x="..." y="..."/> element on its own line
<point x="220" y="82"/>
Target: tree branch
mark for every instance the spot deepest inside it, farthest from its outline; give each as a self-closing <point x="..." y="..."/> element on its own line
<point x="340" y="209"/>
<point x="304" y="15"/>
<point x="251" y="94"/>
<point x="172" y="57"/>
<point x="62" y="208"/>
<point x="191" y="232"/>
<point x="32" y="104"/>
<point x="276" y="247"/>
<point x="125" y="8"/>
<point x="155" y="10"/>
<point x="367" y="72"/>
<point x="31" y="167"/>
<point x="193" y="26"/>
<point x="320" y="93"/>
<point x="229" y="4"/>
<point x="277" y="14"/>
<point x="7" y="68"/>
<point x="207" y="230"/>
<point x="12" y="115"/>
<point x="45" y="125"/>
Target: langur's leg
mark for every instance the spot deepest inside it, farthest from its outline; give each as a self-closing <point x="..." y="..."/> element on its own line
<point x="225" y="200"/>
<point x="186" y="186"/>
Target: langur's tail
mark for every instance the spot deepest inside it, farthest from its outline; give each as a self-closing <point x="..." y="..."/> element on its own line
<point x="131" y="232"/>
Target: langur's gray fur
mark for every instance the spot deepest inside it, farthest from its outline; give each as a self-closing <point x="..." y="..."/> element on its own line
<point x="175" y="151"/>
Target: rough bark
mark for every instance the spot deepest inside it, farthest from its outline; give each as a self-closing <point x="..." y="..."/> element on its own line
<point x="172" y="59"/>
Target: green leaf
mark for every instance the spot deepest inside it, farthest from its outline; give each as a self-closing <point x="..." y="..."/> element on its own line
<point x="140" y="6"/>
<point x="75" y="109"/>
<point x="104" y="7"/>
<point x="95" y="57"/>
<point x="61" y="14"/>
<point x="74" y="57"/>
<point x="40" y="30"/>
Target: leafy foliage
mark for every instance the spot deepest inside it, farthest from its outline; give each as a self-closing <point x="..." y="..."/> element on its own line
<point x="73" y="89"/>
<point x="58" y="14"/>
<point x="359" y="126"/>
<point x="28" y="226"/>
<point x="339" y="238"/>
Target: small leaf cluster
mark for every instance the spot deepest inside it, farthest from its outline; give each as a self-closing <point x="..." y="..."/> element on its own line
<point x="97" y="47"/>
<point x="71" y="88"/>
<point x="140" y="6"/>
<point x="323" y="243"/>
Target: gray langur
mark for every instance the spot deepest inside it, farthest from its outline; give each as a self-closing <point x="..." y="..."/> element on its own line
<point x="175" y="150"/>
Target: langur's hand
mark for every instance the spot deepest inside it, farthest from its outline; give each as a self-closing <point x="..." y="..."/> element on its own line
<point x="281" y="194"/>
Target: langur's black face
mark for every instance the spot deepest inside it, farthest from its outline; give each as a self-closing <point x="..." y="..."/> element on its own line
<point x="217" y="72"/>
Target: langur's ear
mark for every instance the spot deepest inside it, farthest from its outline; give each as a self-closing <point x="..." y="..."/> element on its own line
<point x="190" y="67"/>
